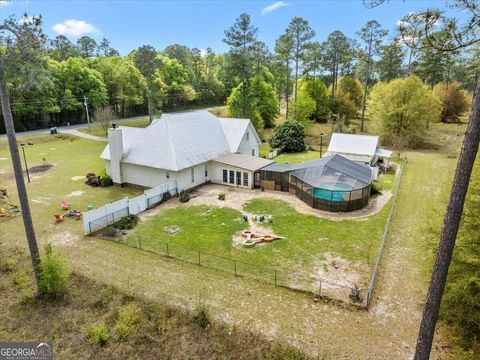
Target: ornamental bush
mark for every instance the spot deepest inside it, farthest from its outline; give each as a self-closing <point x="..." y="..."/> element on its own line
<point x="290" y="137"/>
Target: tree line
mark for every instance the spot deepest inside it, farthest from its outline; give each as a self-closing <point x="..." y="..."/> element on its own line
<point x="300" y="77"/>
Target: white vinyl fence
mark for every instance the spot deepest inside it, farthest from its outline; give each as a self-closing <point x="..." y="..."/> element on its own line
<point x="101" y="217"/>
<point x="273" y="154"/>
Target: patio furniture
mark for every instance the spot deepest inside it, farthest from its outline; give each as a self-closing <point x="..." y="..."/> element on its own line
<point x="58" y="218"/>
<point x="65" y="205"/>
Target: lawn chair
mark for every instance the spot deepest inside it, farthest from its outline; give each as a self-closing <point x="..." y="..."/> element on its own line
<point x="58" y="218"/>
<point x="65" y="205"/>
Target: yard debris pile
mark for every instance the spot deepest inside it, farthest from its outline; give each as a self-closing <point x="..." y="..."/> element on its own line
<point x="92" y="180"/>
<point x="7" y="210"/>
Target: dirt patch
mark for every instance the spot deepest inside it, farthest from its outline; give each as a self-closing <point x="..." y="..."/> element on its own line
<point x="40" y="168"/>
<point x="64" y="238"/>
<point x="42" y="200"/>
<point x="75" y="193"/>
<point x="77" y="178"/>
<point x="336" y="276"/>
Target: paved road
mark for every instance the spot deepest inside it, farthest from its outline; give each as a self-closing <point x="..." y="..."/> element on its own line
<point x="62" y="129"/>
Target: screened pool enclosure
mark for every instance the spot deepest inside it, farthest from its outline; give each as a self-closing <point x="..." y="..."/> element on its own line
<point x="332" y="183"/>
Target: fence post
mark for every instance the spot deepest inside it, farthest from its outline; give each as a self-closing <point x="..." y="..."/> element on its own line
<point x="235" y="267"/>
<point x="168" y="252"/>
<point x="198" y="257"/>
<point x="320" y="288"/>
<point x="275" y="276"/>
<point x="140" y="242"/>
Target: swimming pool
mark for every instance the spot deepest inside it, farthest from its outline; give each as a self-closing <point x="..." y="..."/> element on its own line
<point x="331" y="191"/>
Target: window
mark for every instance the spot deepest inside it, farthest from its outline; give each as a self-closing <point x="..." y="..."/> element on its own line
<point x="232" y="177"/>
<point x="239" y="178"/>
<point x="253" y="152"/>
<point x="167" y="174"/>
<point x="192" y="174"/>
<point x="206" y="170"/>
<point x="248" y="135"/>
<point x="225" y="176"/>
<point x="245" y="179"/>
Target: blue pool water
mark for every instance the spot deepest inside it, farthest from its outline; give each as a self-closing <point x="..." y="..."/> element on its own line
<point x="336" y="195"/>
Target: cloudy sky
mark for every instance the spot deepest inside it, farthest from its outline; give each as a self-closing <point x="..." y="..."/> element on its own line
<point x="129" y="24"/>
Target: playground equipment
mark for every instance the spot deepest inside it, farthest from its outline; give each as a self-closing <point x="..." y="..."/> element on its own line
<point x="64" y="205"/>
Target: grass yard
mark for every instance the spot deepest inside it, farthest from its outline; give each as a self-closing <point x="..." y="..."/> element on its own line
<point x="295" y="158"/>
<point x="72" y="158"/>
<point x="309" y="245"/>
<point x="97" y="130"/>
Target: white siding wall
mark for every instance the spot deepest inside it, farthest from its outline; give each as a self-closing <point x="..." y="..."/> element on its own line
<point x="217" y="175"/>
<point x="184" y="177"/>
<point x="246" y="146"/>
<point x="143" y="175"/>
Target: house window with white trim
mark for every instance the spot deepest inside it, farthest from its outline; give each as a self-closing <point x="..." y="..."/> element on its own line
<point x="239" y="178"/>
<point x="253" y="152"/>
<point x="167" y="174"/>
<point x="192" y="174"/>
<point x="248" y="135"/>
<point x="245" y="179"/>
<point x="206" y="170"/>
<point x="225" y="176"/>
<point x="231" y="177"/>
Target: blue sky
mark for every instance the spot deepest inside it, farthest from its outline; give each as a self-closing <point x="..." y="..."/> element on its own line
<point x="201" y="24"/>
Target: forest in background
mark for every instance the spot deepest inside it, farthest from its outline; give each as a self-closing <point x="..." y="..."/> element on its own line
<point x="302" y="78"/>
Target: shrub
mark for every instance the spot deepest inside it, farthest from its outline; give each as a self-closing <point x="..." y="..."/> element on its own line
<point x="53" y="273"/>
<point x="126" y="222"/>
<point x="375" y="189"/>
<point x="290" y="137"/>
<point x="201" y="316"/>
<point x="184" y="196"/>
<point x="221" y="196"/>
<point x="97" y="334"/>
<point x="110" y="231"/>
<point x="106" y="181"/>
<point x="129" y="320"/>
<point x="355" y="294"/>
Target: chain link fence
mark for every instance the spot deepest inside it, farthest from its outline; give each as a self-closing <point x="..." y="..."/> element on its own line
<point x="275" y="276"/>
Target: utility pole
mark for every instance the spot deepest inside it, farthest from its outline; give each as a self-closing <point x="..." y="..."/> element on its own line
<point x="86" y="111"/>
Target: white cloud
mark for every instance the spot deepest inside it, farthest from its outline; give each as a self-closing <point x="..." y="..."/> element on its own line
<point x="4" y="3"/>
<point x="272" y="7"/>
<point x="72" y="27"/>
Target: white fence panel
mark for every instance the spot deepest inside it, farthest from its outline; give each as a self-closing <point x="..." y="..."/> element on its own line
<point x="97" y="219"/>
<point x="137" y="205"/>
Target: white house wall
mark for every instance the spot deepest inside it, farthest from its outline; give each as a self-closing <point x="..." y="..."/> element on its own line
<point x="217" y="175"/>
<point x="246" y="146"/>
<point x="142" y="175"/>
<point x="184" y="177"/>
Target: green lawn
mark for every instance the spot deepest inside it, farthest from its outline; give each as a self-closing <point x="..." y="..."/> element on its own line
<point x="307" y="238"/>
<point x="295" y="158"/>
<point x="72" y="158"/>
<point x="97" y="130"/>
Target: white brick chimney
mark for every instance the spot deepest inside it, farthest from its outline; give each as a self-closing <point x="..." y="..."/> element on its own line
<point x="115" y="142"/>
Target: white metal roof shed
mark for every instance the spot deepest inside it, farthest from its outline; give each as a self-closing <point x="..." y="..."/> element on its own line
<point x="353" y="144"/>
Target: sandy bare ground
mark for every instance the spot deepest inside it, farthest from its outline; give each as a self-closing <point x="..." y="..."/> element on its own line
<point x="237" y="197"/>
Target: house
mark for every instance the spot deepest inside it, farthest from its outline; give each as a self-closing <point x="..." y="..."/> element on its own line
<point x="189" y="148"/>
<point x="360" y="148"/>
